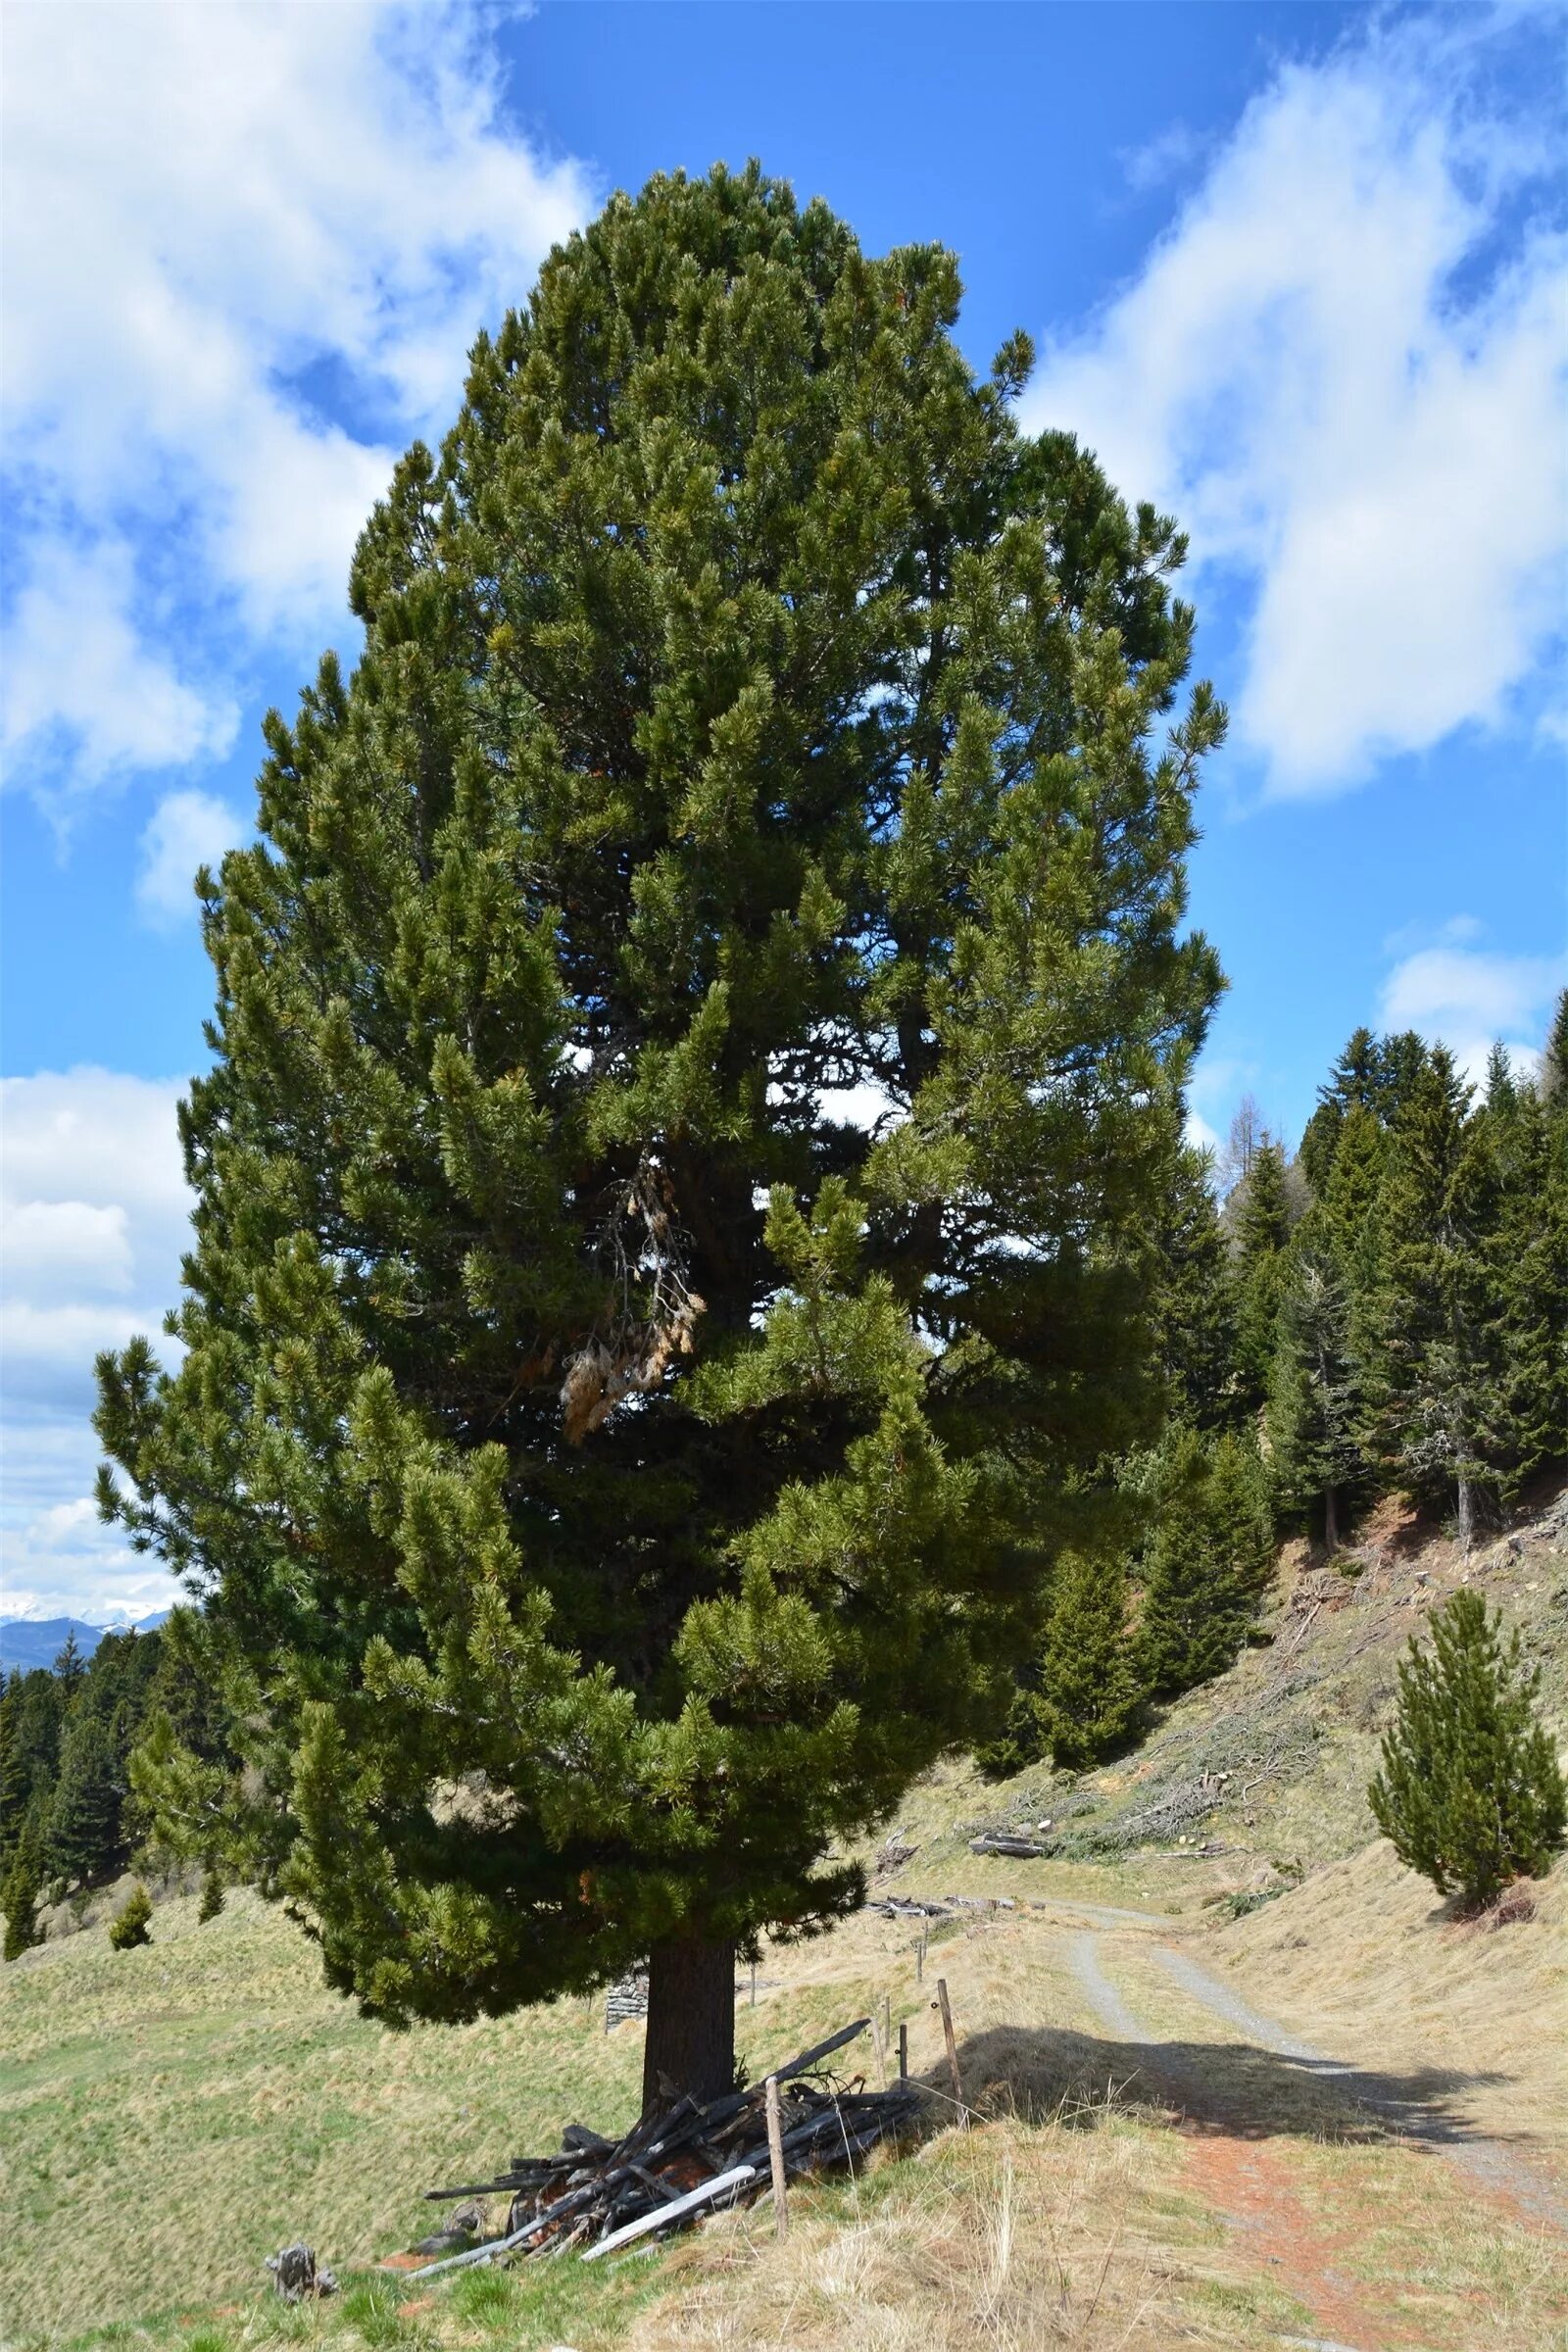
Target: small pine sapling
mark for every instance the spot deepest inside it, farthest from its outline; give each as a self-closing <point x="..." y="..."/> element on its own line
<point x="212" y="1902"/>
<point x="1470" y="1792"/>
<point x="129" y="1925"/>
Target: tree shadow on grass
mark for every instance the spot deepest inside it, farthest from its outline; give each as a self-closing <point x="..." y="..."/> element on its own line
<point x="1236" y="2088"/>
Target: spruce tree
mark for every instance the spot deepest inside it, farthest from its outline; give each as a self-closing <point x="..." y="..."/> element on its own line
<point x="1373" y="1077"/>
<point x="20" y="1893"/>
<point x="1315" y="1401"/>
<point x="1206" y="1560"/>
<point x="1354" y="1082"/>
<point x="86" y="1842"/>
<point x="32" y="1715"/>
<point x="1470" y="1792"/>
<point x="1531" y="1257"/>
<point x="70" y="1670"/>
<point x="1553" y="1081"/>
<point x="1261" y="1227"/>
<point x="1091" y="1690"/>
<point x="1194" y="1334"/>
<point x="16" y="1781"/>
<point x="1239" y="1520"/>
<point x="609" y="1471"/>
<point x="1434" y="1369"/>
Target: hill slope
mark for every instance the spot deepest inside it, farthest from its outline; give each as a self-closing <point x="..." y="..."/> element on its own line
<point x="1171" y="2159"/>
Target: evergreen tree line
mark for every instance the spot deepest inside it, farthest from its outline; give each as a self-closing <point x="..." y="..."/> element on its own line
<point x="1385" y="1312"/>
<point x="68" y="1817"/>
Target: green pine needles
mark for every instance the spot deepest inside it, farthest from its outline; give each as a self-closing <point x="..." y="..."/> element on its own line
<point x="1470" y="1790"/>
<point x="613" y="1462"/>
<point x="20" y="1893"/>
<point x="131" y="1923"/>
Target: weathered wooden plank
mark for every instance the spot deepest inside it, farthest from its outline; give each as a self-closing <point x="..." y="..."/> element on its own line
<point x="690" y="2203"/>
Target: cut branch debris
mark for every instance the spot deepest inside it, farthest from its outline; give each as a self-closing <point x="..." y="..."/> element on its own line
<point x="597" y="2195"/>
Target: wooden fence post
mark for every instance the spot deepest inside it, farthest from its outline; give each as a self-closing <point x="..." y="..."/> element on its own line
<point x="775" y="2158"/>
<point x="904" y="2053"/>
<point x="953" y="2050"/>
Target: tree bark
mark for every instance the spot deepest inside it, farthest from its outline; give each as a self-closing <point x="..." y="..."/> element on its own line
<point x="691" y="2021"/>
<point x="1467" y="1517"/>
<point x="1331" y="1521"/>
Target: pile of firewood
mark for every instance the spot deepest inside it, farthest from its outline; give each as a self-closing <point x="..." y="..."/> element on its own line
<point x="597" y="2194"/>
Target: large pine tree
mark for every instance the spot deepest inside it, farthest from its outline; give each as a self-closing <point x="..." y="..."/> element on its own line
<point x="616" y="1468"/>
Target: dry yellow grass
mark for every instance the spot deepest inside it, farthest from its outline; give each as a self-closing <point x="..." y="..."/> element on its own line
<point x="1364" y="1961"/>
<point x="207" y="2099"/>
<point x="169" y="2116"/>
<point x="1014" y="2237"/>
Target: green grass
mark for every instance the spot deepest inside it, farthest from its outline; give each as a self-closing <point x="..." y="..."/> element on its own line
<point x="172" y="2114"/>
<point x="206" y="2100"/>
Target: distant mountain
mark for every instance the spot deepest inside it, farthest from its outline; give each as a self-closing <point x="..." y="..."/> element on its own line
<point x="29" y="1642"/>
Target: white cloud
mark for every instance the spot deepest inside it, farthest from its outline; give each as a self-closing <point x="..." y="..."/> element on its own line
<point x="66" y="1563"/>
<point x="1168" y="156"/>
<point x="1469" y="998"/>
<point x="1342" y="369"/>
<point x="93" y="1218"/>
<point x="211" y="215"/>
<point x="47" y="1241"/>
<point x="83" y="683"/>
<point x="867" y="1106"/>
<point x="1199" y="1135"/>
<point x="185" y="830"/>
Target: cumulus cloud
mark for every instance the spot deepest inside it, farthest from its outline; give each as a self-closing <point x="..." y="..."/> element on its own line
<point x="1343" y="369"/>
<point x="245" y="252"/>
<point x="1470" y="999"/>
<point x="93" y="1218"/>
<point x="86" y="686"/>
<point x="186" y="830"/>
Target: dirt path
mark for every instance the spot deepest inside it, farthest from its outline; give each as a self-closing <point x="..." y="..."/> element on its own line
<point x="1244" y="2180"/>
<point x="1248" y="2186"/>
<point x="1493" y="2168"/>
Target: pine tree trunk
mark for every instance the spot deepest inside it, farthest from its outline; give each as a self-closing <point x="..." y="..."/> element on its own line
<point x="1331" y="1520"/>
<point x="691" y="2021"/>
<point x="1467" y="1516"/>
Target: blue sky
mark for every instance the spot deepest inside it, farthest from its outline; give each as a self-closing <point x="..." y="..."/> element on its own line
<point x="1297" y="272"/>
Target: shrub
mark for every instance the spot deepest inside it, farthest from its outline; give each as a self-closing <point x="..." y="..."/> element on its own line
<point x="128" y="1926"/>
<point x="1470" y="1790"/>
<point x="211" y="1901"/>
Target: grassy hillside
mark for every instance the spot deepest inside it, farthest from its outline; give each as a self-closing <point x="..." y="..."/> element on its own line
<point x="1272" y="1760"/>
<point x="1150" y="2175"/>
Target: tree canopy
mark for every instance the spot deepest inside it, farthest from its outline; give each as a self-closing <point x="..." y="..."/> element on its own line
<point x="697" y="1057"/>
